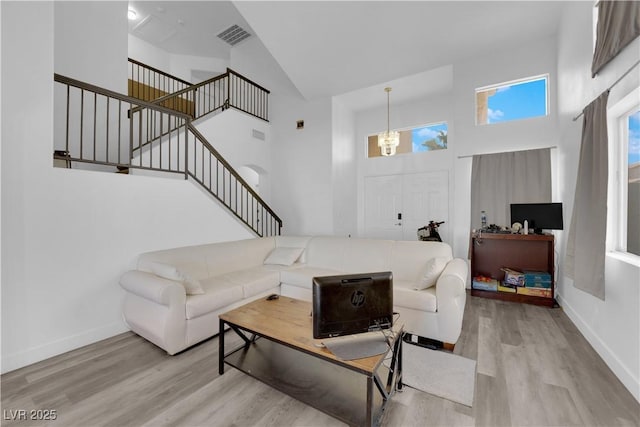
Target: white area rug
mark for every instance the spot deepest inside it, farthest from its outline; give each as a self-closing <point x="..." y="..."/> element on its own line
<point x="440" y="373"/>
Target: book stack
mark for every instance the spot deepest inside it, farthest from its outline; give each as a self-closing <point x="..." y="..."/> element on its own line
<point x="537" y="279"/>
<point x="504" y="287"/>
<point x="537" y="283"/>
<point x="484" y="283"/>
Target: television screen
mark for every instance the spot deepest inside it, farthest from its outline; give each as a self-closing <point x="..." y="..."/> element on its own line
<point x="351" y="304"/>
<point x="540" y="216"/>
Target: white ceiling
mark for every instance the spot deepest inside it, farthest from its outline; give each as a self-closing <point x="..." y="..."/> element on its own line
<point x="185" y="27"/>
<point x="355" y="48"/>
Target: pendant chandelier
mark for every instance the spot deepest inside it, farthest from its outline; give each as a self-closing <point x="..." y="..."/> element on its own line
<point x="389" y="140"/>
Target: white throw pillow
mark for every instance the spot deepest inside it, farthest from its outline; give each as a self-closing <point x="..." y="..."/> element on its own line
<point x="191" y="285"/>
<point x="431" y="272"/>
<point x="283" y="256"/>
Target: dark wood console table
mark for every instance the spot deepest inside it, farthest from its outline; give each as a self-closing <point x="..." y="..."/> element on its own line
<point x="491" y="252"/>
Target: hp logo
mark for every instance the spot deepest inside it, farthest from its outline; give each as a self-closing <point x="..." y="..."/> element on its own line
<point x="357" y="299"/>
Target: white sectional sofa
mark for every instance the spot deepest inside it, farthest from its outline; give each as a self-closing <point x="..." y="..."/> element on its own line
<point x="174" y="297"/>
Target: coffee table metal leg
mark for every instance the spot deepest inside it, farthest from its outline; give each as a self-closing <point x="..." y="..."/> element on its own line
<point x="221" y="348"/>
<point x="399" y="367"/>
<point x="369" y="419"/>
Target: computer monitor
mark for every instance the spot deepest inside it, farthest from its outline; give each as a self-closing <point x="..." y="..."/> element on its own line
<point x="351" y="304"/>
<point x="540" y="216"/>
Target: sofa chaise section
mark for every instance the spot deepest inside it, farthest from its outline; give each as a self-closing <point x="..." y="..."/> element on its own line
<point x="435" y="312"/>
<point x="230" y="274"/>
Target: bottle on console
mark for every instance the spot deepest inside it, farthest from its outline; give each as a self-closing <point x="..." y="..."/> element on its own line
<point x="483" y="219"/>
<point x="525" y="227"/>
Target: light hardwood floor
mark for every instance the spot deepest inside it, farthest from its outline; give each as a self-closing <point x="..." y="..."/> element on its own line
<point x="534" y="369"/>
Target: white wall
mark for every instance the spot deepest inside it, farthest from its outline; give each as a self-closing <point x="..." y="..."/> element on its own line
<point x="230" y="132"/>
<point x="302" y="169"/>
<point x="302" y="165"/>
<point x="344" y="183"/>
<point x="252" y="59"/>
<point x="612" y="326"/>
<point x="82" y="51"/>
<point x="67" y="235"/>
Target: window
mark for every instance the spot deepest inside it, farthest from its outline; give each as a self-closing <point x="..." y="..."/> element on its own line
<point x="624" y="140"/>
<point x="416" y="140"/>
<point x="516" y="100"/>
<point x="632" y="159"/>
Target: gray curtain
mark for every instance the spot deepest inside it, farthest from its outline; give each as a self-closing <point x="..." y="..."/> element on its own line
<point x="618" y="25"/>
<point x="497" y="180"/>
<point x="584" y="260"/>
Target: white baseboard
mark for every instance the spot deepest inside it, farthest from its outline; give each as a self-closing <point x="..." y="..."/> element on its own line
<point x="619" y="369"/>
<point x="38" y="353"/>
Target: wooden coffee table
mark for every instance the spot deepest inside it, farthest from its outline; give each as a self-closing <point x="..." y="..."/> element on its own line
<point x="291" y="361"/>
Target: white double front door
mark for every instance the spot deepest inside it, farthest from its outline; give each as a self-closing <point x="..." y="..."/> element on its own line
<point x="396" y="206"/>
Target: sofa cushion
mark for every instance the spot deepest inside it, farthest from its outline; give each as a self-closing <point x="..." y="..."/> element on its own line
<point x="325" y="252"/>
<point x="366" y="255"/>
<point x="254" y="280"/>
<point x="166" y="271"/>
<point x="410" y="257"/>
<point x="432" y="271"/>
<point x="303" y="276"/>
<point x="283" y="256"/>
<point x="189" y="259"/>
<point x="294" y="242"/>
<point x="404" y="295"/>
<point x="227" y="257"/>
<point x="218" y="292"/>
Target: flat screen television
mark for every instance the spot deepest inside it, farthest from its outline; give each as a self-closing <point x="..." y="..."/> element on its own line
<point x="352" y="303"/>
<point x="540" y="216"/>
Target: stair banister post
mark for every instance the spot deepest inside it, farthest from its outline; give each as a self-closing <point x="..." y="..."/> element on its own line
<point x="186" y="149"/>
<point x="130" y="114"/>
<point x="228" y="88"/>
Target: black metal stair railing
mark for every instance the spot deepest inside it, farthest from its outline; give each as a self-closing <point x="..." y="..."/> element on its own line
<point x="148" y="83"/>
<point x="96" y="127"/>
<point x="228" y="90"/>
<point x="207" y="167"/>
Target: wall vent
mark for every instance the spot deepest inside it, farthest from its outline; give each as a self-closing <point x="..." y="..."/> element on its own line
<point x="234" y="35"/>
<point x="258" y="135"/>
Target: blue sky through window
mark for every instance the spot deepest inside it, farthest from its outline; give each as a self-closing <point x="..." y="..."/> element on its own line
<point x="634" y="138"/>
<point x="427" y="138"/>
<point x="518" y="101"/>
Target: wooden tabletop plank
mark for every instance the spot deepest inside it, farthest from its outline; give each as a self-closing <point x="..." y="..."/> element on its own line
<point x="289" y="321"/>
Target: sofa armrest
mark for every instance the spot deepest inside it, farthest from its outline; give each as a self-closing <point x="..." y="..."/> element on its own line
<point x="152" y="287"/>
<point x="452" y="281"/>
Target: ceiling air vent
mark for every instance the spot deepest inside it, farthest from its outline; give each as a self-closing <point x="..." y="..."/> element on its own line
<point x="233" y="35"/>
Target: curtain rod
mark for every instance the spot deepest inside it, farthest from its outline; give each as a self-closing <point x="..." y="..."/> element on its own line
<point x="513" y="151"/>
<point x="611" y="87"/>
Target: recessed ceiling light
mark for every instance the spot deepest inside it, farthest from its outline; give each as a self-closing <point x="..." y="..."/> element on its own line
<point x="131" y="14"/>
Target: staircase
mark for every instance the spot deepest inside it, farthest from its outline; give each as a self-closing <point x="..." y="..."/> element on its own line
<point x="105" y="130"/>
